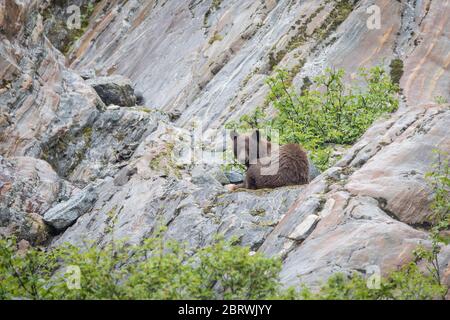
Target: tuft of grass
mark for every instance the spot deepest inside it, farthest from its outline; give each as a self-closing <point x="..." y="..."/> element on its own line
<point x="59" y="25"/>
<point x="215" y="37"/>
<point x="440" y="100"/>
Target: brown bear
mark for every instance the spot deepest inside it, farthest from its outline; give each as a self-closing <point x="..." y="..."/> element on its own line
<point x="269" y="166"/>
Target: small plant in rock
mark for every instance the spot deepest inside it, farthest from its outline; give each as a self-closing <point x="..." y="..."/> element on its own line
<point x="440" y="100"/>
<point x="215" y="37"/>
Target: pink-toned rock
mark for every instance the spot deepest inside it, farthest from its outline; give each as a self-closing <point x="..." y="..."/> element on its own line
<point x="426" y="69"/>
<point x="352" y="238"/>
<point x="370" y="204"/>
<point x="395" y="175"/>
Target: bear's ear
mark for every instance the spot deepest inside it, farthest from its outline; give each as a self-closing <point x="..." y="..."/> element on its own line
<point x="256" y="136"/>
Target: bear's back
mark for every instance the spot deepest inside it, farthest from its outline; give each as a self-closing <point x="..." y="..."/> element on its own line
<point x="293" y="164"/>
<point x="291" y="168"/>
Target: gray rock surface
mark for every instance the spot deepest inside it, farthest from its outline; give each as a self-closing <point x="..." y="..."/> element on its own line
<point x="104" y="147"/>
<point x="66" y="213"/>
<point x="234" y="176"/>
<point x="209" y="59"/>
<point x="42" y="101"/>
<point x="313" y="171"/>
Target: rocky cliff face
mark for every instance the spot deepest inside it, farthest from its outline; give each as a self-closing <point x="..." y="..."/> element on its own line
<point x="73" y="167"/>
<point x="216" y="54"/>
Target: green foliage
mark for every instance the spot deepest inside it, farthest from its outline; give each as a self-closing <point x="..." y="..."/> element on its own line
<point x="327" y="112"/>
<point x="440" y="100"/>
<point x="215" y="37"/>
<point x="214" y="6"/>
<point x="233" y="164"/>
<point x="156" y="269"/>
<point x="333" y="113"/>
<point x="439" y="180"/>
<point x="338" y="15"/>
<point x="164" y="270"/>
<point x="407" y="283"/>
<point x="25" y="275"/>
<point x="256" y="120"/>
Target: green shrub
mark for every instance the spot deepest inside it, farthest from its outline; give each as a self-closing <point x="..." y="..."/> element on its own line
<point x="327" y="113"/>
<point x="407" y="283"/>
<point x="440" y="100"/>
<point x="157" y="270"/>
<point x="439" y="180"/>
<point x="152" y="270"/>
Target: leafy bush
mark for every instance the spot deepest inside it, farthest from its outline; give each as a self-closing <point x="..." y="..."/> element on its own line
<point x="326" y="113"/>
<point x="440" y="100"/>
<point x="439" y="180"/>
<point x="153" y="270"/>
<point x="407" y="283"/>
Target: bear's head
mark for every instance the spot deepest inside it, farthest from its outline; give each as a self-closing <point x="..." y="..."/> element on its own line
<point x="248" y="148"/>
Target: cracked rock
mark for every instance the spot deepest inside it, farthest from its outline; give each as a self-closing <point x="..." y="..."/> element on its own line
<point x="66" y="213"/>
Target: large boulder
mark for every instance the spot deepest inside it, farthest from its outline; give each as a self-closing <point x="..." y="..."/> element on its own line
<point x="66" y="213"/>
<point x="313" y="171"/>
<point x="394" y="162"/>
<point x="28" y="188"/>
<point x="115" y="90"/>
<point x="102" y="148"/>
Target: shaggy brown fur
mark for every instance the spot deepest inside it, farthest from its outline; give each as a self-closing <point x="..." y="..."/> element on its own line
<point x="242" y="152"/>
<point x="292" y="164"/>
